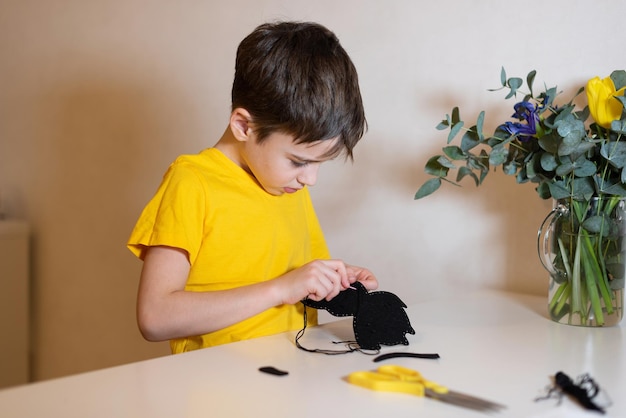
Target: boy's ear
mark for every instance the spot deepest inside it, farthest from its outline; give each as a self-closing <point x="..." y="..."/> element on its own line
<point x="240" y="124"/>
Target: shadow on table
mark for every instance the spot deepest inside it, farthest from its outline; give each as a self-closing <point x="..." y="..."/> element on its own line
<point x="533" y="303"/>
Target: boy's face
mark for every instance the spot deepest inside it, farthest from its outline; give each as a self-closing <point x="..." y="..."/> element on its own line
<point x="282" y="166"/>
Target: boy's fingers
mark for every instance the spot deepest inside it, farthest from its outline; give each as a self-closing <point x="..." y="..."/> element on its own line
<point x="329" y="277"/>
<point x="341" y="269"/>
<point x="364" y="276"/>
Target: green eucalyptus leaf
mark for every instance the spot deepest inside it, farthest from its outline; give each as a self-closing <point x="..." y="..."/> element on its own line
<point x="543" y="190"/>
<point x="615" y="153"/>
<point x="619" y="126"/>
<point x="498" y="155"/>
<point x="580" y="90"/>
<point x="550" y="143"/>
<point x="572" y="130"/>
<point x="575" y="149"/>
<point x="514" y="83"/>
<point x="558" y="190"/>
<point x="454" y="152"/>
<point x="445" y="162"/>
<point x="566" y="149"/>
<point x="530" y="165"/>
<point x="469" y="140"/>
<point x="582" y="115"/>
<point x="564" y="114"/>
<point x="565" y="168"/>
<point x="479" y="126"/>
<point x="456" y="116"/>
<point x="601" y="184"/>
<point x="499" y="137"/>
<point x="483" y="174"/>
<point x="581" y="149"/>
<point x="476" y="163"/>
<point x="530" y="79"/>
<point x="550" y="94"/>
<point x="530" y="156"/>
<point x="464" y="172"/>
<point x="444" y="124"/>
<point x="548" y="162"/>
<point x="616" y="268"/>
<point x="617" y="284"/>
<point x="482" y="163"/>
<point x="611" y="187"/>
<point x="619" y="78"/>
<point x="428" y="188"/>
<point x="522" y="176"/>
<point x="582" y="188"/>
<point x="435" y="168"/>
<point x="601" y="225"/>
<point x="584" y="167"/>
<point x="456" y="127"/>
<point x="510" y="168"/>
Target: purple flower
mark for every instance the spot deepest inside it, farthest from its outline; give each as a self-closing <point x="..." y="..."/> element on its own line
<point x="528" y="115"/>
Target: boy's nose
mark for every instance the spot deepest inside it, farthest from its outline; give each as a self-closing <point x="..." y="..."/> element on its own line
<point x="308" y="176"/>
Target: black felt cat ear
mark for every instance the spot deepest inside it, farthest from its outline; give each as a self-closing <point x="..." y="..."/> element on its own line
<point x="344" y="304"/>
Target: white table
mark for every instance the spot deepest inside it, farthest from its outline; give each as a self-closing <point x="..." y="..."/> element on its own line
<point x="499" y="346"/>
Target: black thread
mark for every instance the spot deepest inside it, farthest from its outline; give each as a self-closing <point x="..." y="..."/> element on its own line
<point x="580" y="393"/>
<point x="584" y="390"/>
<point x="351" y="345"/>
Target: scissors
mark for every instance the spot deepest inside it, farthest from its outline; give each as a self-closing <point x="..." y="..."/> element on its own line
<point x="390" y="378"/>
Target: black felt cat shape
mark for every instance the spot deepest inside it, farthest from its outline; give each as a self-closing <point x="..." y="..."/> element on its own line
<point x="379" y="317"/>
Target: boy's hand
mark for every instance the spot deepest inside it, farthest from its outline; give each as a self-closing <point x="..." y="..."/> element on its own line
<point x="323" y="279"/>
<point x="363" y="275"/>
<point x="317" y="280"/>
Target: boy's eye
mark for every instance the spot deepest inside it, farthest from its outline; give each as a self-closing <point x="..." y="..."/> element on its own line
<point x="296" y="163"/>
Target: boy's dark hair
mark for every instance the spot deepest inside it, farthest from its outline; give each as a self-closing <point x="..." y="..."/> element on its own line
<point x="296" y="78"/>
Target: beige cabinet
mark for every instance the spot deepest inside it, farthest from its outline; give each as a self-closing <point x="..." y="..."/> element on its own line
<point x="14" y="303"/>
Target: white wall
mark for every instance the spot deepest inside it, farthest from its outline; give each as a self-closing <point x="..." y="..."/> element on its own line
<point x="97" y="97"/>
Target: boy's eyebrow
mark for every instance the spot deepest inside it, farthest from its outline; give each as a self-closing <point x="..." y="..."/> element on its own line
<point x="306" y="160"/>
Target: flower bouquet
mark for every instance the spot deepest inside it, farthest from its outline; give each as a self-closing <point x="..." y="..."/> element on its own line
<point x="580" y="164"/>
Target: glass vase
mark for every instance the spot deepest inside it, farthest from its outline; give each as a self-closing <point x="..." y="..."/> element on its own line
<point x="581" y="245"/>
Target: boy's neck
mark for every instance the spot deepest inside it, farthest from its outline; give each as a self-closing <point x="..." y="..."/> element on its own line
<point x="229" y="146"/>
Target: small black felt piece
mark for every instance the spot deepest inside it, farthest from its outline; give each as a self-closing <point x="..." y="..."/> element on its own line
<point x="273" y="370"/>
<point x="413" y="355"/>
<point x="379" y="317"/>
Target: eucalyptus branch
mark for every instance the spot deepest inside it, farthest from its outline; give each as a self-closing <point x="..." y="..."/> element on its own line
<point x="581" y="166"/>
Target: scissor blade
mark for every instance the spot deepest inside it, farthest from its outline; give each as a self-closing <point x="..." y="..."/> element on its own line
<point x="465" y="401"/>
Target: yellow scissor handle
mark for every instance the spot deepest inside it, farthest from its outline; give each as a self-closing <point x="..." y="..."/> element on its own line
<point x="385" y="383"/>
<point x="395" y="379"/>
<point x="410" y="375"/>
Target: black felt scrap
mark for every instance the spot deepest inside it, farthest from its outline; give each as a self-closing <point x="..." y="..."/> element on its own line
<point x="379" y="317"/>
<point x="273" y="370"/>
<point x="388" y="356"/>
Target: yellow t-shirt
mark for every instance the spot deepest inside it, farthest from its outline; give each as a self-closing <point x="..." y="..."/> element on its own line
<point x="235" y="234"/>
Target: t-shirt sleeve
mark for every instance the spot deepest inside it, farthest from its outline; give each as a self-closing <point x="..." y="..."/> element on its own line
<point x="174" y="216"/>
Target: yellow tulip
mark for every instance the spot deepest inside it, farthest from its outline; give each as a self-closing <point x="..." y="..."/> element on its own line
<point x="604" y="107"/>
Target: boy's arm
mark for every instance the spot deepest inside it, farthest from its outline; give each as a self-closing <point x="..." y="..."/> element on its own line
<point x="165" y="310"/>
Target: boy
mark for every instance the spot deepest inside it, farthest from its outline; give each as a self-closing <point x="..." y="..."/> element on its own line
<point x="230" y="242"/>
